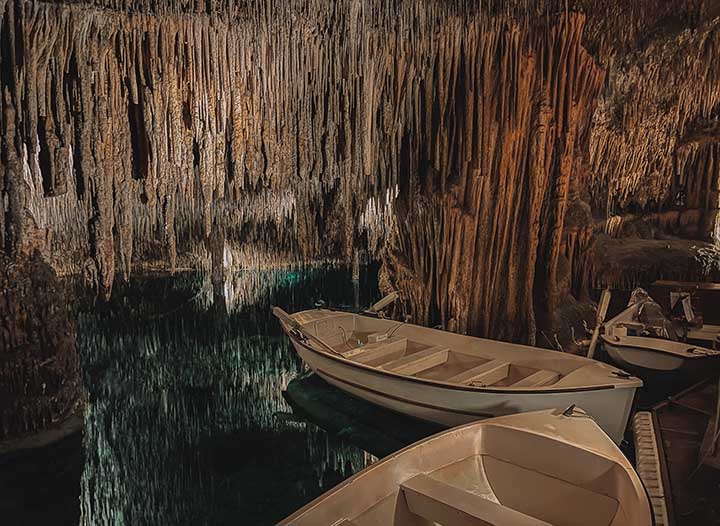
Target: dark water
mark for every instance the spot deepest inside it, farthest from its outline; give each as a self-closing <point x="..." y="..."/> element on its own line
<point x="186" y="421"/>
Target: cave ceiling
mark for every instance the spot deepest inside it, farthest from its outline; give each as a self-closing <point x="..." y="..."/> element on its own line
<point x="474" y="147"/>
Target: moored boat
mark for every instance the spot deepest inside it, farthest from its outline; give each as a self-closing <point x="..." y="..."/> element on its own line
<point x="629" y="342"/>
<point x="706" y="336"/>
<point x="490" y="473"/>
<point x="450" y="378"/>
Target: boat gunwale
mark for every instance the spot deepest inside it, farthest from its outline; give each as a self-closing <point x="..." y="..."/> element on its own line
<point x="622" y="342"/>
<point x="627" y="384"/>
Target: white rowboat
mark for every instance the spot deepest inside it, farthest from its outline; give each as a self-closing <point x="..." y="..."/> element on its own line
<point x="654" y="355"/>
<point x="452" y="379"/>
<point x="532" y="469"/>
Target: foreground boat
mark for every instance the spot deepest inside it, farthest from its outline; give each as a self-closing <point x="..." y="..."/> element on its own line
<point x="648" y="355"/>
<point x="453" y="379"/>
<point x="542" y="468"/>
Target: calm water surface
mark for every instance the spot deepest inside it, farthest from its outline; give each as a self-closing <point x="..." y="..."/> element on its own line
<point x="186" y="421"/>
<point x="200" y="412"/>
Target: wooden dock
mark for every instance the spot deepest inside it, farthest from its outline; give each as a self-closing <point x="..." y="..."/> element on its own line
<point x="668" y="442"/>
<point x="705" y="297"/>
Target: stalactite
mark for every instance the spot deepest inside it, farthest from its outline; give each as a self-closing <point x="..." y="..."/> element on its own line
<point x="647" y="148"/>
<point x="446" y="137"/>
<point x="489" y="239"/>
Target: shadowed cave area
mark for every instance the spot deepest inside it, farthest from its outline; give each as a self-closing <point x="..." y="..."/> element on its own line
<point x="171" y="169"/>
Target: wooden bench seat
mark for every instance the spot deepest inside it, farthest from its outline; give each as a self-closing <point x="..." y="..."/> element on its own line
<point x="448" y="505"/>
<point x="377" y="337"/>
<point x="376" y="351"/>
<point x="487" y="373"/>
<point x="349" y="353"/>
<point x="538" y="379"/>
<point x="418" y="361"/>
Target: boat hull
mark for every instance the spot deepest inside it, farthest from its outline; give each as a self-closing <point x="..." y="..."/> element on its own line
<point x="489" y="472"/>
<point x="647" y="362"/>
<point x="456" y="405"/>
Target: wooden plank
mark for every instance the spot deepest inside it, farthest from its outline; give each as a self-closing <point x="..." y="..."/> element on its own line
<point x="489" y="372"/>
<point x="382" y="350"/>
<point x="377" y="337"/>
<point x="418" y="361"/>
<point x="448" y="505"/>
<point x="538" y="379"/>
<point x="664" y="471"/>
<point x="601" y="313"/>
<point x="690" y="407"/>
<point x="695" y="387"/>
<point x="709" y="450"/>
<point x="349" y="353"/>
<point x="647" y="465"/>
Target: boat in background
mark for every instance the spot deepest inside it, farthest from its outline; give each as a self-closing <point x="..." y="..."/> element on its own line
<point x="490" y="473"/>
<point x="706" y="336"/>
<point x="452" y="379"/>
<point x="641" y="340"/>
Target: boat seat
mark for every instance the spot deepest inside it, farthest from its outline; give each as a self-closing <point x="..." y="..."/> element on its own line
<point x="449" y="505"/>
<point x="538" y="379"/>
<point x="487" y="373"/>
<point x="377" y="337"/>
<point x="375" y="351"/>
<point x="349" y="353"/>
<point x="418" y="361"/>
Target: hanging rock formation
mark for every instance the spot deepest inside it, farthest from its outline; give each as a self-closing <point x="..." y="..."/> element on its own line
<point x="477" y="148"/>
<point x="484" y="217"/>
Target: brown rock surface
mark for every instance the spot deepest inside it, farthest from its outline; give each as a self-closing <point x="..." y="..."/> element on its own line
<point x="40" y="381"/>
<point x="472" y="146"/>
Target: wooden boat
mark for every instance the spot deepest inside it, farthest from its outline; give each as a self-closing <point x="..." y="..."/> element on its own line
<point x="643" y="354"/>
<point x="543" y="468"/>
<point x="450" y="378"/>
<point x="705" y="336"/>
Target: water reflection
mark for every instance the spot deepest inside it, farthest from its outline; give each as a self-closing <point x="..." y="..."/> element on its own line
<point x="186" y="422"/>
<point x="372" y="428"/>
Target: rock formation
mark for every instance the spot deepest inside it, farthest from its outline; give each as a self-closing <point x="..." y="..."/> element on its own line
<point x="39" y="367"/>
<point x="485" y="151"/>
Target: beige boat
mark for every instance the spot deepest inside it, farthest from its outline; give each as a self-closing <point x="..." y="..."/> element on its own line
<point x="644" y="354"/>
<point x="705" y="335"/>
<point x="550" y="467"/>
<point x="452" y="379"/>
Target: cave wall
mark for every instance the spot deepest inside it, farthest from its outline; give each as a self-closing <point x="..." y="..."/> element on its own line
<point x="654" y="141"/>
<point x="483" y="224"/>
<point x="40" y="381"/>
<point x="472" y="146"/>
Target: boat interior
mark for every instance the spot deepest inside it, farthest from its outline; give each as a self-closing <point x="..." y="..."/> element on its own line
<point x="490" y="476"/>
<point x="634" y="328"/>
<point x="410" y="350"/>
<point x="641" y="319"/>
